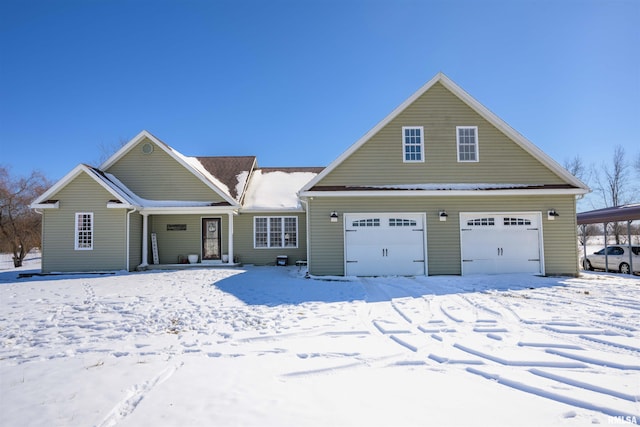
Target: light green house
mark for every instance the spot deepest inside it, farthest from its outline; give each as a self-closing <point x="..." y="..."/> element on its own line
<point x="148" y="206"/>
<point x="440" y="186"/>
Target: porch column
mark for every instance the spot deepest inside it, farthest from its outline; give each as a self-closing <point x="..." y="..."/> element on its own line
<point x="230" y="237"/>
<point x="145" y="240"/>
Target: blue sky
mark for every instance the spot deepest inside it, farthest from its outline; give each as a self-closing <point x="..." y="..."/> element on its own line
<point x="297" y="82"/>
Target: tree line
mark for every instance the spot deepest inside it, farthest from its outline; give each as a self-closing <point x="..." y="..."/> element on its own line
<point x="614" y="184"/>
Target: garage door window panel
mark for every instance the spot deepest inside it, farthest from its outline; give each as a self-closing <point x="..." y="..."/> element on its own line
<point x="369" y="222"/>
<point x="479" y="222"/>
<point x="402" y="222"/>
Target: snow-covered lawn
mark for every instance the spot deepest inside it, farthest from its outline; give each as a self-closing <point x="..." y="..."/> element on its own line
<point x="263" y="346"/>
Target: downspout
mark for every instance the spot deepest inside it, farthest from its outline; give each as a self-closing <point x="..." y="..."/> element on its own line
<point x="127" y="239"/>
<point x="306" y="202"/>
<point x="41" y="236"/>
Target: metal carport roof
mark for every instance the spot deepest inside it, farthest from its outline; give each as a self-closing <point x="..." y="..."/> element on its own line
<point x="617" y="213"/>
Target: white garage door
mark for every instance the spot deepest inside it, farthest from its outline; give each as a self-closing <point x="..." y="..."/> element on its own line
<point x="387" y="244"/>
<point x="493" y="243"/>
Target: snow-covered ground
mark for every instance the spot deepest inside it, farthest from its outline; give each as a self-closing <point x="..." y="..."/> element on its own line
<point x="263" y="346"/>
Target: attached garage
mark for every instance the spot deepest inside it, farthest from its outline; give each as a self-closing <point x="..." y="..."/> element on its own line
<point x="507" y="242"/>
<point x="385" y="244"/>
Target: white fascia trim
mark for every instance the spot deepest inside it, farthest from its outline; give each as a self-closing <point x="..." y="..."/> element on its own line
<point x="445" y="193"/>
<point x="70" y="177"/>
<point x="55" y="205"/>
<point x="128" y="146"/>
<point x="178" y="157"/>
<point x="475" y="105"/>
<point x="270" y="210"/>
<point x="112" y="205"/>
<point x="371" y="133"/>
<point x="516" y="136"/>
<point x="204" y="210"/>
<point x="58" y="186"/>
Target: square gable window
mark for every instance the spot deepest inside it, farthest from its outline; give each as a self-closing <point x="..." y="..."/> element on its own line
<point x="413" y="144"/>
<point x="467" y="137"/>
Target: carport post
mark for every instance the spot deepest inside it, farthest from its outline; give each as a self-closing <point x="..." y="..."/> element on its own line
<point x="584" y="245"/>
<point x="606" y="251"/>
<point x="630" y="246"/>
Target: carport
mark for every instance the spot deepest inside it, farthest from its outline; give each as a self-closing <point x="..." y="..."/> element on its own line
<point x="604" y="216"/>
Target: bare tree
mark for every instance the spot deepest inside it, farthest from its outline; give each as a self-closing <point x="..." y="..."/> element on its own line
<point x="107" y="150"/>
<point x="614" y="187"/>
<point x="19" y="224"/>
<point x="576" y="167"/>
<point x="586" y="231"/>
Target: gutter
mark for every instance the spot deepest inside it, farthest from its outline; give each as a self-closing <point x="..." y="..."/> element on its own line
<point x="443" y="193"/>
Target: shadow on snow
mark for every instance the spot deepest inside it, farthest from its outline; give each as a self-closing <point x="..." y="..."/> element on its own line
<point x="273" y="286"/>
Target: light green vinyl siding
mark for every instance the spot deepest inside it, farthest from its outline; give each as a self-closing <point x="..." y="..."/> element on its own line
<point x="83" y="194"/>
<point x="247" y="254"/>
<point x="443" y="238"/>
<point x="158" y="176"/>
<point x="380" y="160"/>
<point x="173" y="244"/>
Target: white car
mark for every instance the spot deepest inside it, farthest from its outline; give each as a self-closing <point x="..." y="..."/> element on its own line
<point x="617" y="259"/>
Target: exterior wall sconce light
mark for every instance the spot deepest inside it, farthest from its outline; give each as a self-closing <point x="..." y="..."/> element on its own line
<point x="552" y="214"/>
<point x="443" y="215"/>
<point x="334" y="216"/>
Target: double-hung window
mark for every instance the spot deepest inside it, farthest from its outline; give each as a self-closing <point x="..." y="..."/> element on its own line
<point x="413" y="144"/>
<point x="275" y="232"/>
<point x="84" y="231"/>
<point x="467" y="137"/>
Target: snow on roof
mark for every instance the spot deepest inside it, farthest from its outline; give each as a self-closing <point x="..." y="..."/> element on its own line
<point x="195" y="163"/>
<point x="276" y="189"/>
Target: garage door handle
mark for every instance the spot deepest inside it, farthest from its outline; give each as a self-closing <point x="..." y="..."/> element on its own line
<point x="349" y="262"/>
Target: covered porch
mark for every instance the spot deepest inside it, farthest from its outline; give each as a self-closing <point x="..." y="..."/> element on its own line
<point x="187" y="237"/>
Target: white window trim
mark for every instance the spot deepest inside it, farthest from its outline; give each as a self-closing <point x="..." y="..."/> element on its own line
<point x="404" y="145"/>
<point x="477" y="149"/>
<point x="79" y="215"/>
<point x="282" y="231"/>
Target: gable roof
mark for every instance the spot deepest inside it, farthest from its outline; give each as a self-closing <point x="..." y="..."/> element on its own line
<point x="232" y="171"/>
<point x="190" y="163"/>
<point x="120" y="195"/>
<point x="500" y="124"/>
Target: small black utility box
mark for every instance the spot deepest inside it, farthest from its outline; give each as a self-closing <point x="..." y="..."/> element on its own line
<point x="282" y="260"/>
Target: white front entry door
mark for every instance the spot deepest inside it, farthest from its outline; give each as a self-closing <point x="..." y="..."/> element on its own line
<point x="386" y="244"/>
<point x="493" y="243"/>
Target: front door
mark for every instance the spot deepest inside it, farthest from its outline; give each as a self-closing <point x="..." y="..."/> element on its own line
<point x="211" y="242"/>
